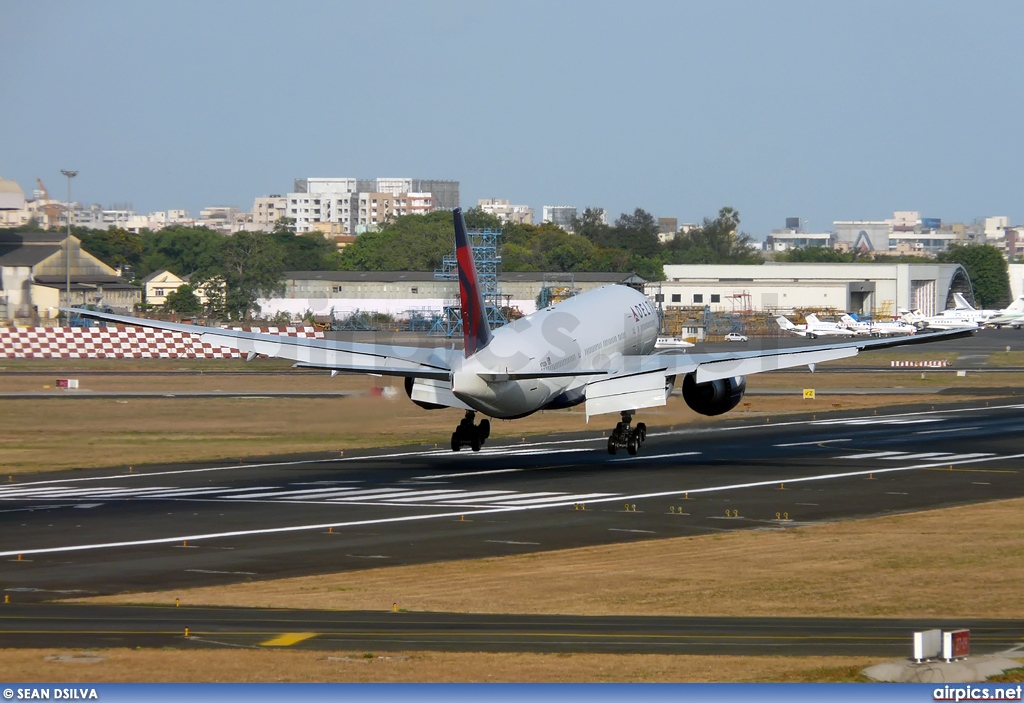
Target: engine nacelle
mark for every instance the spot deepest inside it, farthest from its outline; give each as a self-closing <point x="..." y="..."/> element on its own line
<point x="409" y="383"/>
<point x="713" y="397"/>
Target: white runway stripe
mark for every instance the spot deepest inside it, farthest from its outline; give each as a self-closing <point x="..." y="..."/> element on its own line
<point x="445" y="515"/>
<point x="450" y="496"/>
<point x="567" y="498"/>
<point x="901" y="456"/>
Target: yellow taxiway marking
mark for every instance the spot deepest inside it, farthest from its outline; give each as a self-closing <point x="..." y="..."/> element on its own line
<point x="288" y="639"/>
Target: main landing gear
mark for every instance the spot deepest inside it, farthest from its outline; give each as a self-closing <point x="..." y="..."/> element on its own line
<point x="626" y="437"/>
<point x="469" y="434"/>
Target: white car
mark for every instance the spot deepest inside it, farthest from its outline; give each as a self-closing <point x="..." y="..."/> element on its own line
<point x="735" y="337"/>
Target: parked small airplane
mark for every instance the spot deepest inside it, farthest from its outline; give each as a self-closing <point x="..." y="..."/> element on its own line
<point x="814" y="328"/>
<point x="876" y="329"/>
<point x="937" y="322"/>
<point x="595" y="348"/>
<point x="1010" y="316"/>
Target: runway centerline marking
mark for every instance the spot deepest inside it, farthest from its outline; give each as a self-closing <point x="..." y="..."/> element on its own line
<point x="176" y="540"/>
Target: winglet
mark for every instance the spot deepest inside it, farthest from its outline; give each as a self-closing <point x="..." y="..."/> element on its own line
<point x="476" y="333"/>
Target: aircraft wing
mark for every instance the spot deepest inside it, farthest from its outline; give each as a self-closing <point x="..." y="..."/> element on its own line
<point x="382" y="359"/>
<point x="644" y="381"/>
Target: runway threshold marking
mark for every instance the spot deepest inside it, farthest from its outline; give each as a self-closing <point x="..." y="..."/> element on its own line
<point x="488" y="511"/>
<point x="288" y="639"/>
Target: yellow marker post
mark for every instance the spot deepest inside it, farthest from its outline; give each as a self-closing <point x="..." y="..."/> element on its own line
<point x="808" y="394"/>
<point x="177" y="602"/>
<point x="7" y="599"/>
<point x="394" y="607"/>
<point x="186" y="632"/>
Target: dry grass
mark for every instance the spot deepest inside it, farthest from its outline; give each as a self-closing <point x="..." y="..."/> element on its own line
<point x="910" y="565"/>
<point x="245" y="666"/>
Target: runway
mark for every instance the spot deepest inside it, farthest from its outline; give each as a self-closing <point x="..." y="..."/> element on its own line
<point x="79" y="626"/>
<point x="157" y="527"/>
<point x="107" y="531"/>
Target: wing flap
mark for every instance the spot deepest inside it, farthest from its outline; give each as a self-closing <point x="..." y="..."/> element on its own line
<point x="436" y="392"/>
<point x="643" y="390"/>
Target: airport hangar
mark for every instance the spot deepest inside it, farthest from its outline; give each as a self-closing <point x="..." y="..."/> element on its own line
<point x="398" y="293"/>
<point x="866" y="289"/>
<point x="880" y="289"/>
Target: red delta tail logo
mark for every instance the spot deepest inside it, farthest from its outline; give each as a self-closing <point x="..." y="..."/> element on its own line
<point x="476" y="333"/>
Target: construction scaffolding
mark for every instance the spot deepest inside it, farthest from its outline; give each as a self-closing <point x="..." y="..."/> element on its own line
<point x="556" y="287"/>
<point x="486" y="246"/>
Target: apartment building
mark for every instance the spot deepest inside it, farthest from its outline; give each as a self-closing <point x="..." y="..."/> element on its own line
<point x="505" y="211"/>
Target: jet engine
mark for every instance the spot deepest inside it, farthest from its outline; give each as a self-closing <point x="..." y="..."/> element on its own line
<point x="713" y="397"/>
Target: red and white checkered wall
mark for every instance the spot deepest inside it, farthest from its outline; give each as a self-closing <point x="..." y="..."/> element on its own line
<point x="121" y="343"/>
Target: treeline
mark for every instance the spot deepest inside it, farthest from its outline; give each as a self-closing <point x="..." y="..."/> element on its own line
<point x="630" y="244"/>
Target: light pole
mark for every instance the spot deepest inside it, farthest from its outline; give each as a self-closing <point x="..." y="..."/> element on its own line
<point x="67" y="246"/>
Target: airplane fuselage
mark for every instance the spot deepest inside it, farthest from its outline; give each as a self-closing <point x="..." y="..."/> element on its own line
<point x="529" y="363"/>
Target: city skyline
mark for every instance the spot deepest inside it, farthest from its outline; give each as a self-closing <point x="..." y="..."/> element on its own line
<point x="792" y="109"/>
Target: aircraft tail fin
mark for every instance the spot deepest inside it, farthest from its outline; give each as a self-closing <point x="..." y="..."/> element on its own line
<point x="961" y="302"/>
<point x="784" y="322"/>
<point x="476" y="333"/>
<point x="812" y="319"/>
<point x="1017" y="305"/>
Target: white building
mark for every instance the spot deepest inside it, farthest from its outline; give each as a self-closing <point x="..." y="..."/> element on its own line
<point x="505" y="211"/>
<point x="786" y="239"/>
<point x="560" y="215"/>
<point x="322" y="200"/>
<point x="266" y="211"/>
<point x="782" y="287"/>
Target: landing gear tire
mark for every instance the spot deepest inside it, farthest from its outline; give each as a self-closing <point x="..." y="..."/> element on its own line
<point x="626" y="437"/>
<point x="469" y="434"/>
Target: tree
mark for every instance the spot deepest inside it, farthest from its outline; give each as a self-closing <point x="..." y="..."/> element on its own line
<point x="115" y="247"/>
<point x="407" y="243"/>
<point x="312" y="251"/>
<point x="181" y="250"/>
<point x="252" y="264"/>
<point x="636" y="233"/>
<point x="591" y="225"/>
<point x="284" y="225"/>
<point x="183" y="301"/>
<point x="987" y="270"/>
<point x="817" y="255"/>
<point x="716" y="241"/>
<point x="476" y="218"/>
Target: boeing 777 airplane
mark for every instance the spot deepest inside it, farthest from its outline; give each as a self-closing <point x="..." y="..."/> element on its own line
<point x="593" y="349"/>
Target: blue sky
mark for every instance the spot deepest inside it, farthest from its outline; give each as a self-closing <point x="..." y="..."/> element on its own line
<point x="822" y="110"/>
